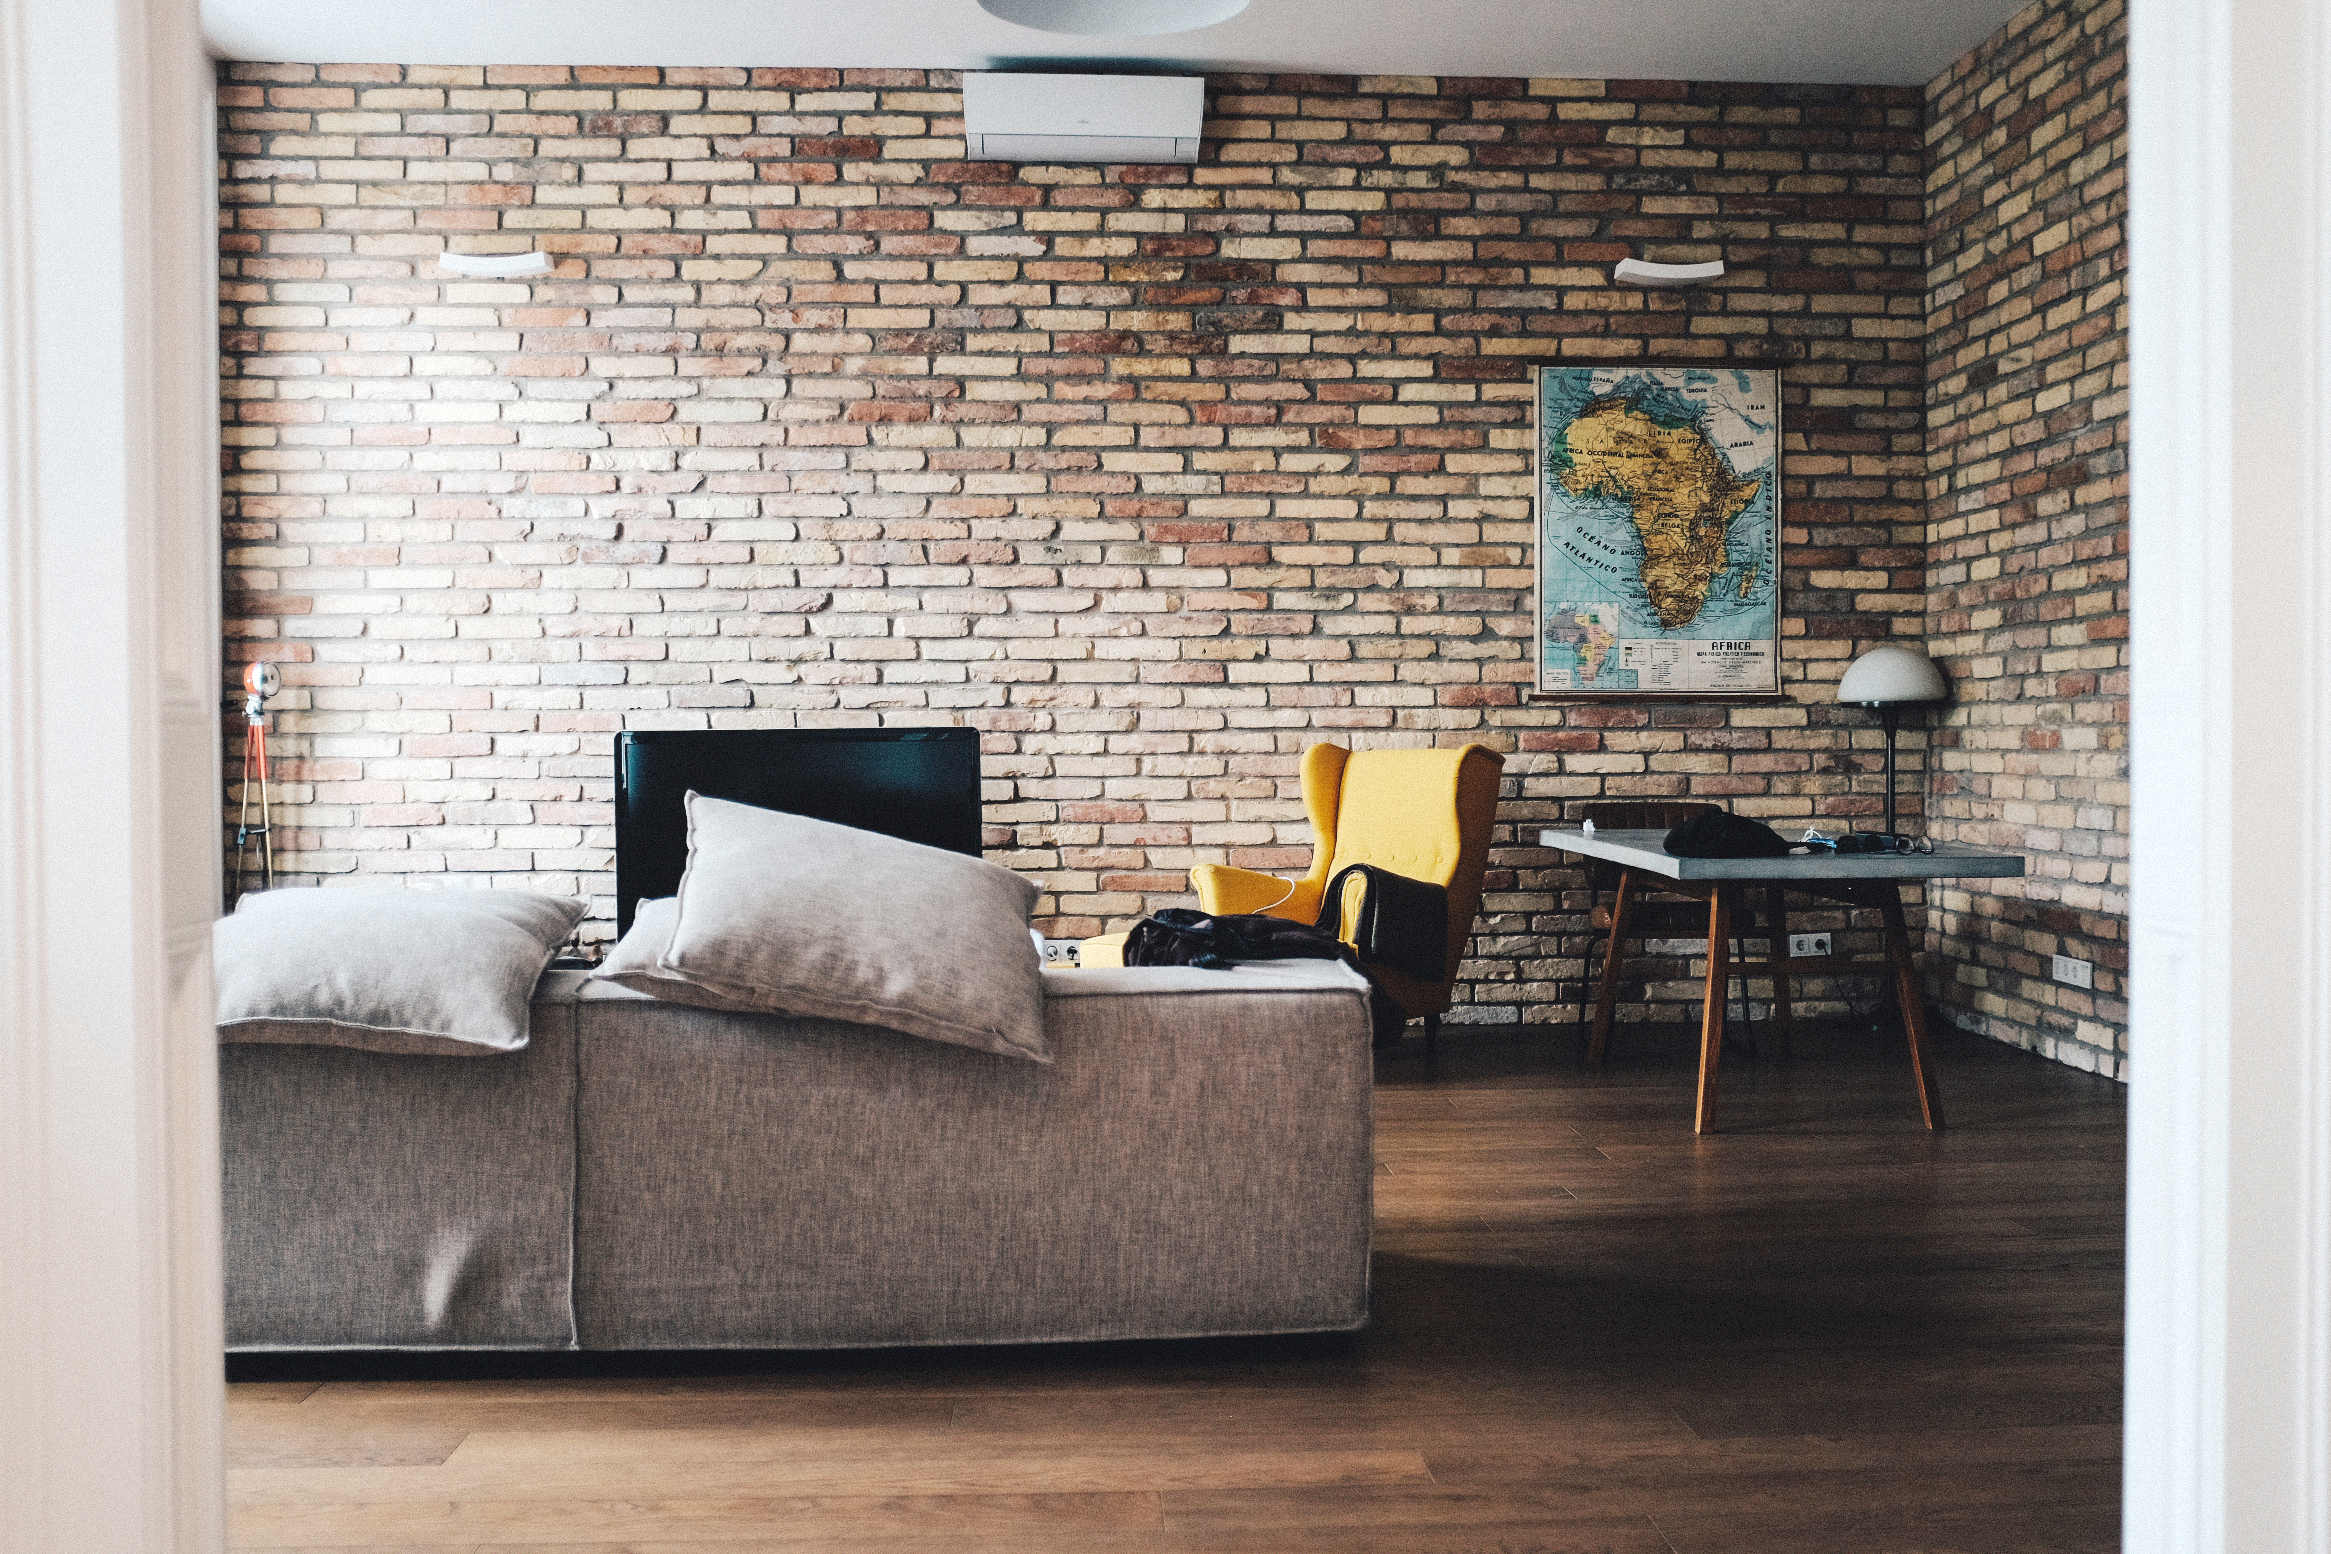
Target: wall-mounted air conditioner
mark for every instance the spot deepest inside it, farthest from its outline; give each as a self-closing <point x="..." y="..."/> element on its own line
<point x="1044" y="118"/>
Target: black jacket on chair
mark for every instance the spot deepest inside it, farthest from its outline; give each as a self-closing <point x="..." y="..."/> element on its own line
<point x="1403" y="924"/>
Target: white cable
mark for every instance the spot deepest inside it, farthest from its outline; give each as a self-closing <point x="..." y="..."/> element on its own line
<point x="1283" y="895"/>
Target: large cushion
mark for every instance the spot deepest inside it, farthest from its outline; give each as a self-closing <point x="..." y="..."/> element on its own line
<point x="781" y="914"/>
<point x="434" y="972"/>
<point x="636" y="962"/>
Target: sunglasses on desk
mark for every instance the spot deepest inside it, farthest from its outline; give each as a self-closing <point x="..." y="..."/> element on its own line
<point x="1869" y="842"/>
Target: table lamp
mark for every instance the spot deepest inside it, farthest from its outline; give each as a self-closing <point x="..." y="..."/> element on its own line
<point x="1886" y="677"/>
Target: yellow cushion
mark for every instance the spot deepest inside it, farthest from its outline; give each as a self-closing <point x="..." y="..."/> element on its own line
<point x="1399" y="812"/>
<point x="1223" y="889"/>
<point x="1101" y="950"/>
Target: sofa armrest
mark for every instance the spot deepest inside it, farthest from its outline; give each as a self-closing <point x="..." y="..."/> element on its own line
<point x="1222" y="890"/>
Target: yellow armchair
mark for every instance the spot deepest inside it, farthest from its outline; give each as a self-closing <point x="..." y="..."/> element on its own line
<point x="1425" y="814"/>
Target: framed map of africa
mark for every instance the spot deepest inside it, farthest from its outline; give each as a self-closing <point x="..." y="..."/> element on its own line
<point x="1659" y="531"/>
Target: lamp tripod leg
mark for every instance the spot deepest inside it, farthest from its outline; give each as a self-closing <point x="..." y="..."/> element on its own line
<point x="243" y="824"/>
<point x="262" y="835"/>
<point x="266" y="812"/>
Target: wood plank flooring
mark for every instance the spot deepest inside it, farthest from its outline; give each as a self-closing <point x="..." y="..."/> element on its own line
<point x="1821" y="1329"/>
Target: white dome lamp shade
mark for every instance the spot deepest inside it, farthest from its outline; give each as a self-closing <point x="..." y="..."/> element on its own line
<point x="1891" y="672"/>
<point x="1889" y="677"/>
<point x="1114" y="18"/>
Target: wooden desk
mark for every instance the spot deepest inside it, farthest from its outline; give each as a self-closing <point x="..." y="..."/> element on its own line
<point x="1859" y="879"/>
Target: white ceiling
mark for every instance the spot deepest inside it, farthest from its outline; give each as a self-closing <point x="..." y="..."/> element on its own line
<point x="1898" y="42"/>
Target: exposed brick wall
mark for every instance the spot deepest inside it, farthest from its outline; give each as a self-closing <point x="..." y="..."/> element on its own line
<point x="1155" y="475"/>
<point x="2028" y="426"/>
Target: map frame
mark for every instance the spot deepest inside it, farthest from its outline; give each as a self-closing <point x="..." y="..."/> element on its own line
<point x="1544" y="512"/>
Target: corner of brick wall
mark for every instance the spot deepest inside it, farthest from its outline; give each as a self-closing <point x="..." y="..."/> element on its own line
<point x="2027" y="405"/>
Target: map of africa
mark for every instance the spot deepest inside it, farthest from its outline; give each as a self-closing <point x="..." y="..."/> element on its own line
<point x="1659" y="529"/>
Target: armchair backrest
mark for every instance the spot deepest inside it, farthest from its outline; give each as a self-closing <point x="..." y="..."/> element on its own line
<point x="1426" y="814"/>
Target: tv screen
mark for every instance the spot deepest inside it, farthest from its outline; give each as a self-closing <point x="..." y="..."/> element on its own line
<point x="920" y="784"/>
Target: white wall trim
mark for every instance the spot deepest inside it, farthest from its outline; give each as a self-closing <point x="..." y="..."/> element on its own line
<point x="108" y="1235"/>
<point x="2229" y="1342"/>
<point x="2306" y="1455"/>
<point x="109" y="1292"/>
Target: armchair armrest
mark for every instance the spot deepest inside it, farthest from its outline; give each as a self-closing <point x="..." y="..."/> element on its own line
<point x="1222" y="889"/>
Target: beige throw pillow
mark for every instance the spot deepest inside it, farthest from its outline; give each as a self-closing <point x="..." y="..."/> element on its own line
<point x="636" y="961"/>
<point x="444" y="973"/>
<point x="796" y="916"/>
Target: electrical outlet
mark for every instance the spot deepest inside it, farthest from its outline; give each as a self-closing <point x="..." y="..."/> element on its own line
<point x="2077" y="972"/>
<point x="1808" y="944"/>
<point x="1060" y="952"/>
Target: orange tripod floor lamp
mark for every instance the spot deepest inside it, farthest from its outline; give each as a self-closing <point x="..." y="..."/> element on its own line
<point x="255" y="843"/>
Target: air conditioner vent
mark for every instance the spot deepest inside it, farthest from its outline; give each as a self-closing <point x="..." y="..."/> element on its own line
<point x="1060" y="118"/>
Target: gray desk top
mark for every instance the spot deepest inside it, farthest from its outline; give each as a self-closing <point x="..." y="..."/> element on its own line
<point x="1642" y="850"/>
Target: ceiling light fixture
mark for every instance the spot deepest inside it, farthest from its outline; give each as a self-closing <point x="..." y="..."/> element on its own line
<point x="1114" y="18"/>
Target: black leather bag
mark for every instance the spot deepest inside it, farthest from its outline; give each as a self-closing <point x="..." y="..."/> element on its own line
<point x="1403" y="924"/>
<point x="1721" y="834"/>
<point x="1178" y="936"/>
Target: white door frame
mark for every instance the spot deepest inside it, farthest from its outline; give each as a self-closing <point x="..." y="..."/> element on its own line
<point x="109" y="1328"/>
<point x="109" y="1291"/>
<point x="2229" y="1342"/>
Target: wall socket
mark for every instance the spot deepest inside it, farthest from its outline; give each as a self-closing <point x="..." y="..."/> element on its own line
<point x="1808" y="944"/>
<point x="2077" y="972"/>
<point x="1060" y="952"/>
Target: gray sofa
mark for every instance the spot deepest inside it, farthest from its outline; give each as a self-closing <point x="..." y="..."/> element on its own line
<point x="647" y="1175"/>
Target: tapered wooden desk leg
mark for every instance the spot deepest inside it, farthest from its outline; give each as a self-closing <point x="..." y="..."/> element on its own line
<point x="1607" y="990"/>
<point x="1913" y="1002"/>
<point x="1712" y="1002"/>
<point x="1776" y="907"/>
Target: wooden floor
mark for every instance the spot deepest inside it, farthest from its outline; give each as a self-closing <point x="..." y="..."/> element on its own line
<point x="1820" y="1330"/>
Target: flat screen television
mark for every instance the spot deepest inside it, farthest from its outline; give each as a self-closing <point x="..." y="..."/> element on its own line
<point x="921" y="784"/>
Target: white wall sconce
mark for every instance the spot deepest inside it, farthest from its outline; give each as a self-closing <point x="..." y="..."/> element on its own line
<point x="1642" y="272"/>
<point x="1888" y="677"/>
<point x="500" y="266"/>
